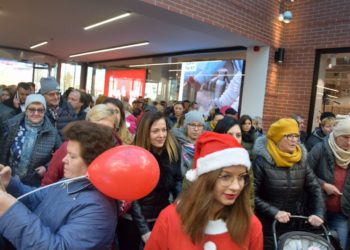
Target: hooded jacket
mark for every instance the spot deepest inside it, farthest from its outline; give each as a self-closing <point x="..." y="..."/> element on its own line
<point x="281" y="188"/>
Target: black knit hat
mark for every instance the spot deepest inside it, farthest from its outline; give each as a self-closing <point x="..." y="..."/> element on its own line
<point x="326" y="114"/>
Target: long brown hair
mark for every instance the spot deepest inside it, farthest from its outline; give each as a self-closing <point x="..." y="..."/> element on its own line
<point x="142" y="136"/>
<point x="196" y="202"/>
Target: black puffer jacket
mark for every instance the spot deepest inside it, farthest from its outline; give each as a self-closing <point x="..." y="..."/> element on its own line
<point x="149" y="207"/>
<point x="322" y="161"/>
<point x="282" y="188"/>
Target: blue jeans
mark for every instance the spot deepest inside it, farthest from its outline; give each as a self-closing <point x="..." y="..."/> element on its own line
<point x="337" y="222"/>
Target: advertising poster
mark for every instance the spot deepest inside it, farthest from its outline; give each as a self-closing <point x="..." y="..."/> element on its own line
<point x="125" y="84"/>
<point x="212" y="83"/>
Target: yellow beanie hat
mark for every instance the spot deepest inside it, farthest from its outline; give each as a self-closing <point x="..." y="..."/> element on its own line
<point x="281" y="128"/>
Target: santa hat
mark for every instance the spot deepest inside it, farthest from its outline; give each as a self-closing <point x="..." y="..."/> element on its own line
<point x="214" y="151"/>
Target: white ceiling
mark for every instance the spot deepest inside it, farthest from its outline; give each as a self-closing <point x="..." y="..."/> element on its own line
<point x="27" y="22"/>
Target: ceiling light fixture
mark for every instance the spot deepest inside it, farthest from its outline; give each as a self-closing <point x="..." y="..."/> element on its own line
<point x="107" y="21"/>
<point x="159" y="64"/>
<point x="38" y="45"/>
<point x="152" y="64"/>
<point x="111" y="49"/>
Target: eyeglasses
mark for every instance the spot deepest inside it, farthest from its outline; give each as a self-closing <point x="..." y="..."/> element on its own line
<point x="33" y="111"/>
<point x="198" y="126"/>
<point x="291" y="137"/>
<point x="227" y="180"/>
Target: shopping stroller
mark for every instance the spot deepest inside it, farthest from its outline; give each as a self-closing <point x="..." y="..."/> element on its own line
<point x="302" y="240"/>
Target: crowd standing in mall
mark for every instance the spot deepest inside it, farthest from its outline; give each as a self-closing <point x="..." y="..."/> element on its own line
<point x="223" y="178"/>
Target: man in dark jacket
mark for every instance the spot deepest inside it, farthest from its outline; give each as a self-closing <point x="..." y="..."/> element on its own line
<point x="59" y="111"/>
<point x="326" y="125"/>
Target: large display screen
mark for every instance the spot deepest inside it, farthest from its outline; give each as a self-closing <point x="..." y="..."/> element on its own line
<point x="212" y="83"/>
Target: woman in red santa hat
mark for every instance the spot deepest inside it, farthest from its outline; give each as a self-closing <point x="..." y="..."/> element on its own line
<point x="214" y="213"/>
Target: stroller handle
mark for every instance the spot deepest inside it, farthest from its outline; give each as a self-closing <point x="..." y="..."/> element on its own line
<point x="301" y="217"/>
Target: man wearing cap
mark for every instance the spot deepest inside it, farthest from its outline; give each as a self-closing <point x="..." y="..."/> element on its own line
<point x="326" y="125"/>
<point x="28" y="141"/>
<point x="330" y="161"/>
<point x="58" y="110"/>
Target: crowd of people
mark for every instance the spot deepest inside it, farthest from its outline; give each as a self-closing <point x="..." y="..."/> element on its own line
<point x="223" y="178"/>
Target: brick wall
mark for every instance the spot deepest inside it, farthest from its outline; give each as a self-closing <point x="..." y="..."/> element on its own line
<point x="315" y="24"/>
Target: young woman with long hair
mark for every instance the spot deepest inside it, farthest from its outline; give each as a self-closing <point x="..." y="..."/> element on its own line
<point x="154" y="135"/>
<point x="214" y="212"/>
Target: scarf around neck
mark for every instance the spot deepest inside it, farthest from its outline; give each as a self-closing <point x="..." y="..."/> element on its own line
<point x="283" y="159"/>
<point x="342" y="157"/>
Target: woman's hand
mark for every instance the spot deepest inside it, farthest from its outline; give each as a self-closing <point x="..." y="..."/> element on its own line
<point x="5" y="175"/>
<point x="282" y="216"/>
<point x="41" y="170"/>
<point x="315" y="221"/>
<point x="331" y="189"/>
<point x="6" y="201"/>
<point x="146" y="236"/>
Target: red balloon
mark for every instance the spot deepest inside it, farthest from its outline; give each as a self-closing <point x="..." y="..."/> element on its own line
<point x="124" y="172"/>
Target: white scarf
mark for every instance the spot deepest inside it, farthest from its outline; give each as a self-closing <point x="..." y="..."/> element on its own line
<point x="342" y="157"/>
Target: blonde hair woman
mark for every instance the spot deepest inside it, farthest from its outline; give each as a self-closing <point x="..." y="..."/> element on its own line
<point x="118" y="108"/>
<point x="99" y="114"/>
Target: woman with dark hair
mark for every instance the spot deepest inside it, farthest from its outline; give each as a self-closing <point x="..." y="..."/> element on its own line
<point x="152" y="134"/>
<point x="73" y="215"/>
<point x="118" y="108"/>
<point x="177" y="118"/>
<point x="248" y="134"/>
<point x="214" y="212"/>
<point x="230" y="126"/>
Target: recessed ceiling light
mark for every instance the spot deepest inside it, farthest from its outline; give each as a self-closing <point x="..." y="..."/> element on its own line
<point x="107" y="21"/>
<point x="111" y="49"/>
<point x="38" y="45"/>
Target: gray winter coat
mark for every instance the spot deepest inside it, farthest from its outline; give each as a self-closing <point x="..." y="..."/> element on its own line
<point x="282" y="188"/>
<point x="322" y="161"/>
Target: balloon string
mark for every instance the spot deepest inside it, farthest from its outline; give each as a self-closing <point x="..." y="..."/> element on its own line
<point x="53" y="184"/>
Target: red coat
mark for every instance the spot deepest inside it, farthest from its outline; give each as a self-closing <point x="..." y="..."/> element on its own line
<point x="167" y="234"/>
<point x="54" y="171"/>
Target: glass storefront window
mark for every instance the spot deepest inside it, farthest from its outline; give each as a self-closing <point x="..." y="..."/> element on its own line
<point x="99" y="82"/>
<point x="333" y="86"/>
<point x="70" y="76"/>
<point x="89" y="79"/>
